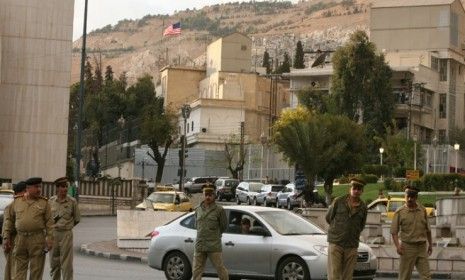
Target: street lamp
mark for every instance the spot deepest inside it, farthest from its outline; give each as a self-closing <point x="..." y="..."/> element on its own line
<point x="435" y="143"/>
<point x="381" y="151"/>
<point x="414" y="152"/>
<point x="185" y="111"/>
<point x="121" y="122"/>
<point x="263" y="141"/>
<point x="456" y="148"/>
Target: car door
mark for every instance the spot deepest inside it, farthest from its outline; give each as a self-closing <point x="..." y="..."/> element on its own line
<point x="247" y="254"/>
<point x="188" y="236"/>
<point x="242" y="195"/>
<point x="185" y="204"/>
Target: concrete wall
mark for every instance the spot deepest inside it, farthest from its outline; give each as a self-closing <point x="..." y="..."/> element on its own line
<point x="180" y="85"/>
<point x="36" y="43"/>
<point x="230" y="54"/>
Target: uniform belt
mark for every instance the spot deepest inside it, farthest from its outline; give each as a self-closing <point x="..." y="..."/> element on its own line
<point x="29" y="233"/>
<point x="414" y="242"/>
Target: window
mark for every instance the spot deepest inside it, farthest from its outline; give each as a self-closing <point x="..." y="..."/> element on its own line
<point x="443" y="70"/>
<point x="187" y="127"/>
<point x="442" y="135"/>
<point x="243" y="48"/>
<point x="189" y="222"/>
<point x="434" y="63"/>
<point x="192" y="126"/>
<point x="442" y="106"/>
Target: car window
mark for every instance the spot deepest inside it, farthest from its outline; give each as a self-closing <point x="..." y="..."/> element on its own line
<point x="394" y="205"/>
<point x="189" y="222"/>
<point x="234" y="222"/>
<point x="287" y="223"/>
<point x="276" y="188"/>
<point x="255" y="187"/>
<point x="218" y="183"/>
<point x="161" y="197"/>
<point x="231" y="183"/>
<point x="200" y="181"/>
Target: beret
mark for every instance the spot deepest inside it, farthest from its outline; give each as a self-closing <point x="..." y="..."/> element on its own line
<point x="19" y="187"/>
<point x="61" y="181"/>
<point x="357" y="181"/>
<point x="33" y="181"/>
<point x="208" y="188"/>
<point x="409" y="190"/>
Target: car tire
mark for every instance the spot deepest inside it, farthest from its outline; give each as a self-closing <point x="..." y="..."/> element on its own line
<point x="177" y="267"/>
<point x="238" y="201"/>
<point x="292" y="268"/>
<point x="289" y="205"/>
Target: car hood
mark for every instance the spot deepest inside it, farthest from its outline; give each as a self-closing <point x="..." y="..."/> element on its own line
<point x="321" y="239"/>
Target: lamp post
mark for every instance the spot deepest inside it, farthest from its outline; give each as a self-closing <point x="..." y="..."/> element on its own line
<point x="381" y="151"/>
<point x="121" y="122"/>
<point x="263" y="140"/>
<point x="435" y="143"/>
<point x="456" y="148"/>
<point x="186" y="111"/>
<point x="414" y="152"/>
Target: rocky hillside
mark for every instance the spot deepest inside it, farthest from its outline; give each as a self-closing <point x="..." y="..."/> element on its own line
<point x="138" y="47"/>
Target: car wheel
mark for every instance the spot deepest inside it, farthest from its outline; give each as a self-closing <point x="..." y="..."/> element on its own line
<point x="177" y="267"/>
<point x="248" y="201"/>
<point x="238" y="201"/>
<point x="289" y="205"/>
<point x="265" y="203"/>
<point x="292" y="268"/>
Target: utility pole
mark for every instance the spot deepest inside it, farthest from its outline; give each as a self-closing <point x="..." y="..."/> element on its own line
<point x="242" y="154"/>
<point x="81" y="102"/>
<point x="186" y="111"/>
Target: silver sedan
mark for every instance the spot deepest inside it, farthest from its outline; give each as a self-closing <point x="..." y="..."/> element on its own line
<point x="280" y="245"/>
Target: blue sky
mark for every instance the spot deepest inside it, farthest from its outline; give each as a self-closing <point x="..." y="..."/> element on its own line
<point x="103" y="12"/>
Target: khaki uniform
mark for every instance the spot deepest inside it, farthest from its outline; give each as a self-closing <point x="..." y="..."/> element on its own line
<point x="211" y="223"/>
<point x="8" y="256"/>
<point x="32" y="221"/>
<point x="345" y="225"/>
<point x="413" y="227"/>
<point x="66" y="215"/>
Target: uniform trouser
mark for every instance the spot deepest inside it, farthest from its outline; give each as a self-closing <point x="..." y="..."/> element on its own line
<point x="200" y="259"/>
<point x="61" y="256"/>
<point x="29" y="250"/>
<point x="8" y="266"/>
<point x="341" y="262"/>
<point x="414" y="255"/>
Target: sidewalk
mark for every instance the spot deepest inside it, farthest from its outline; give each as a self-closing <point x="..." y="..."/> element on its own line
<point x="109" y="250"/>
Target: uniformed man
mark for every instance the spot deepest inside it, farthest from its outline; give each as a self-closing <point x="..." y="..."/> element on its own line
<point x="415" y="235"/>
<point x="31" y="219"/>
<point x="8" y="244"/>
<point x="66" y="215"/>
<point x="211" y="222"/>
<point x="346" y="218"/>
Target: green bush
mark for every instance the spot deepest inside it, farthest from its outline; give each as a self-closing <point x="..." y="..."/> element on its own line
<point x="369" y="178"/>
<point x="390" y="184"/>
<point x="378" y="170"/>
<point x="442" y="182"/>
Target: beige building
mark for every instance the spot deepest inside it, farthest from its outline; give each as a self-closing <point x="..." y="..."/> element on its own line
<point x="224" y="95"/>
<point x="35" y="69"/>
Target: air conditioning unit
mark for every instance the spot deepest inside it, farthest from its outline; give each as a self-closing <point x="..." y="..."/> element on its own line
<point x="204" y="129"/>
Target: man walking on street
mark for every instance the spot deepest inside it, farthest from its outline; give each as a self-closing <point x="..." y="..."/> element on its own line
<point x="31" y="219"/>
<point x="211" y="222"/>
<point x="346" y="218"/>
<point x="66" y="215"/>
<point x="415" y="235"/>
<point x="8" y="244"/>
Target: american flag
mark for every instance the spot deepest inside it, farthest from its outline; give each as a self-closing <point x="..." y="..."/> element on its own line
<point x="173" y="29"/>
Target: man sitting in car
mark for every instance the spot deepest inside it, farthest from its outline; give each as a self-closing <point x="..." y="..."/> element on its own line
<point x="245" y="226"/>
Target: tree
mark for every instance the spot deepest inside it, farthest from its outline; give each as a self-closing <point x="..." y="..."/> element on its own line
<point x="285" y="67"/>
<point x="235" y="155"/>
<point x="361" y="84"/>
<point x="299" y="62"/>
<point x="158" y="129"/>
<point x="108" y="75"/>
<point x="266" y="62"/>
<point x="143" y="92"/>
<point x="316" y="100"/>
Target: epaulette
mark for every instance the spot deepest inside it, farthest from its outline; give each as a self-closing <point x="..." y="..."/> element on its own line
<point x="18" y="195"/>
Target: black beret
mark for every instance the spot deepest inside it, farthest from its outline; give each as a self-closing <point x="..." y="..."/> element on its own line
<point x="410" y="190"/>
<point x="19" y="187"/>
<point x="33" y="181"/>
<point x="61" y="181"/>
<point x="357" y="182"/>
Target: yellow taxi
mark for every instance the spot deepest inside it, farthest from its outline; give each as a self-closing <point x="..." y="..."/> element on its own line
<point x="166" y="201"/>
<point x="388" y="206"/>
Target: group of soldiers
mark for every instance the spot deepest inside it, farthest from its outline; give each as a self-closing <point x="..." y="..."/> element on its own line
<point x="34" y="225"/>
<point x="346" y="217"/>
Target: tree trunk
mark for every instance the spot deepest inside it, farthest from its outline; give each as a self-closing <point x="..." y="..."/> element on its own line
<point x="160" y="167"/>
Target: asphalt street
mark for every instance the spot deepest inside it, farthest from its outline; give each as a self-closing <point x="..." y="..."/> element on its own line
<point x="93" y="229"/>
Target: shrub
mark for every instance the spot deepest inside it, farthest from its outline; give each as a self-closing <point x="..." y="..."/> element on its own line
<point x="442" y="182"/>
<point x="390" y="184"/>
<point x="370" y="178"/>
<point x="378" y="170"/>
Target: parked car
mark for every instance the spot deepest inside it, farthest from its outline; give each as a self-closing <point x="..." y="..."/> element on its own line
<point x="267" y="195"/>
<point x="288" y="197"/>
<point x="166" y="201"/>
<point x="280" y="243"/>
<point x="389" y="205"/>
<point x="226" y="188"/>
<point x="6" y="197"/>
<point x="195" y="184"/>
<point x="247" y="192"/>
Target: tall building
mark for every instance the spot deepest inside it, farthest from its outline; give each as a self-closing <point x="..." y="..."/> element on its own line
<point x="35" y="70"/>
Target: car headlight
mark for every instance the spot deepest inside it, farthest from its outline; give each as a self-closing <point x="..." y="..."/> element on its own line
<point x="322" y="249"/>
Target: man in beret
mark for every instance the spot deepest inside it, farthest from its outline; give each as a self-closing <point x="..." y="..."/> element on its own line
<point x="415" y="235"/>
<point x="346" y="217"/>
<point x="31" y="219"/>
<point x="211" y="222"/>
<point x="8" y="244"/>
<point x="66" y="215"/>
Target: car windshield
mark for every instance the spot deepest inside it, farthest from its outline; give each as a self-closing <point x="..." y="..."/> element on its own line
<point x="231" y="183"/>
<point x="287" y="223"/>
<point x="277" y="188"/>
<point x="255" y="187"/>
<point x="161" y="197"/>
<point x="5" y="200"/>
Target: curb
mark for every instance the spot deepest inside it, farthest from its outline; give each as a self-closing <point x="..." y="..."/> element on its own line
<point x="434" y="275"/>
<point x="84" y="249"/>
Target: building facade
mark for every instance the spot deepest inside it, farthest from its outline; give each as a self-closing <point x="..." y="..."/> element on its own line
<point x="35" y="70"/>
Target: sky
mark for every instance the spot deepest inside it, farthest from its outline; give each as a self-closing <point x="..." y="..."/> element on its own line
<point x="104" y="12"/>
